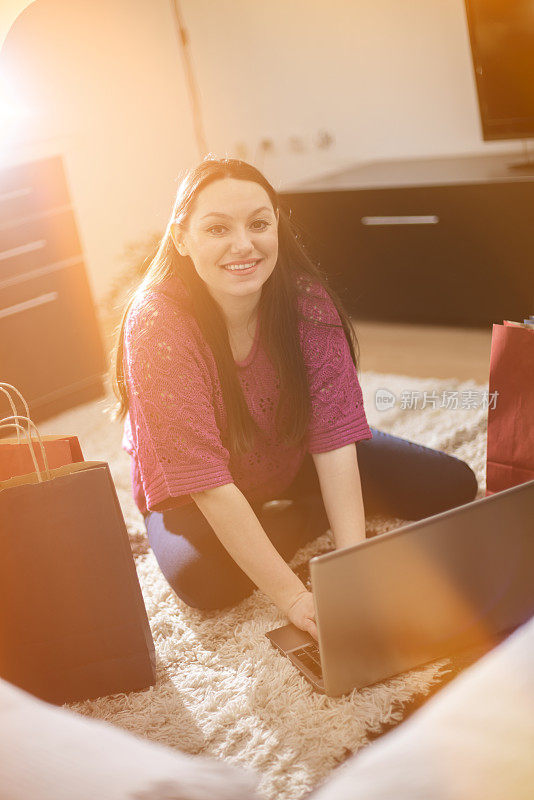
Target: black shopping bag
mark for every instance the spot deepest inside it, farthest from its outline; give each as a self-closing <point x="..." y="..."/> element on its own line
<point x="73" y="624"/>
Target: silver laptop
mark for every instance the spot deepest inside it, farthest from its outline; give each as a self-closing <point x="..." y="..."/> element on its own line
<point x="439" y="586"/>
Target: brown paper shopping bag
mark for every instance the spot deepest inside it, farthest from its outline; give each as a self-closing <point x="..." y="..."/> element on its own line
<point x="73" y="624"/>
<point x="510" y="454"/>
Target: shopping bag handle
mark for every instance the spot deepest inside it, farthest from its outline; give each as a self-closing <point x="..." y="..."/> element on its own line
<point x="5" y="423"/>
<point x="3" y="388"/>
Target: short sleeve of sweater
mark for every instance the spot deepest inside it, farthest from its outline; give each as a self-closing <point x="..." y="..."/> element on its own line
<point x="338" y="415"/>
<point x="173" y="427"/>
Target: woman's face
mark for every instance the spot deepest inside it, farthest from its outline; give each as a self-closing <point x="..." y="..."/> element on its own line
<point x="231" y="238"/>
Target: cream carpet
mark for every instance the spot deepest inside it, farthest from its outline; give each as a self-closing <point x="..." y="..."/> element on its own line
<point x="222" y="690"/>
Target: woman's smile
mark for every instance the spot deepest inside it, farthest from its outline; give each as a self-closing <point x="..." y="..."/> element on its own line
<point x="241" y="268"/>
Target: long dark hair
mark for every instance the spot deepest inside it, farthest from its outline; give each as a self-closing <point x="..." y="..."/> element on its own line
<point x="278" y="308"/>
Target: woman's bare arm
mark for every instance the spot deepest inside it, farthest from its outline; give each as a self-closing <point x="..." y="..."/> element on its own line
<point x="232" y="518"/>
<point x="341" y="488"/>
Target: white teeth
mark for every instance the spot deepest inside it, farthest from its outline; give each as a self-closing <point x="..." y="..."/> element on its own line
<point x="240" y="266"/>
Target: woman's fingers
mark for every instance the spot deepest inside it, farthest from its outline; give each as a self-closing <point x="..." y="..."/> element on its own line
<point x="302" y="614"/>
<point x="311" y="627"/>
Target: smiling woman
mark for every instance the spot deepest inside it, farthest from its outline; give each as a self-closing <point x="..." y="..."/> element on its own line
<point x="236" y="256"/>
<point x="237" y="372"/>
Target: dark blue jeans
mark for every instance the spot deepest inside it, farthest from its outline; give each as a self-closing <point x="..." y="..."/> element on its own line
<point x="399" y="478"/>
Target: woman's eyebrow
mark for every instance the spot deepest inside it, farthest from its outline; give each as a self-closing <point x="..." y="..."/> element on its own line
<point x="225" y="216"/>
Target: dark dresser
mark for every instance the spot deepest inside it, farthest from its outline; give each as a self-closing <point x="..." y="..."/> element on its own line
<point x="50" y="343"/>
<point x="446" y="241"/>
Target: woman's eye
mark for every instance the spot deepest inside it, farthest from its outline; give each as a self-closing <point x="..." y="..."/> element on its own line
<point x="263" y="223"/>
<point x="257" y="225"/>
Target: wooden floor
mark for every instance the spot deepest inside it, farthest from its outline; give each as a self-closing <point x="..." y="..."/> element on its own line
<point x="424" y="351"/>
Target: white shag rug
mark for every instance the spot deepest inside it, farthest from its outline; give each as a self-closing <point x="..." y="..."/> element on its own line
<point x="222" y="690"/>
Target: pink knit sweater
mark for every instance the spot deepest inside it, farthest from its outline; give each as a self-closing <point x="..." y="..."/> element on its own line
<point x="176" y="423"/>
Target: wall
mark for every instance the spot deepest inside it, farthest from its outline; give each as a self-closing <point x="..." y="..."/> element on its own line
<point x="104" y="85"/>
<point x="105" y="89"/>
<point x="389" y="78"/>
<point x="9" y="12"/>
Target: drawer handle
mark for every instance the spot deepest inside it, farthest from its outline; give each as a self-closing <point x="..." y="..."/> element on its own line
<point x="36" y="301"/>
<point x="426" y="219"/>
<point x="24" y="248"/>
<point x="16" y="193"/>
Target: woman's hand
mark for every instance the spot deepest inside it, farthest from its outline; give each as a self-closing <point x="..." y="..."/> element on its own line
<point x="301" y="613"/>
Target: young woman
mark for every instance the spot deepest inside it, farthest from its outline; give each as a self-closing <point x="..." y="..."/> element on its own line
<point x="236" y="369"/>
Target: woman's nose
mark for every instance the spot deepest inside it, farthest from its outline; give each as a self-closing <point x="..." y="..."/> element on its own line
<point x="241" y="241"/>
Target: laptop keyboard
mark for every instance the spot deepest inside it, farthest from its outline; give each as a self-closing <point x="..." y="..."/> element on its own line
<point x="309" y="656"/>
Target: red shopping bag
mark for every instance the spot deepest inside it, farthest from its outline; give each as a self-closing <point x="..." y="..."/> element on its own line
<point x="510" y="455"/>
<point x="15" y="456"/>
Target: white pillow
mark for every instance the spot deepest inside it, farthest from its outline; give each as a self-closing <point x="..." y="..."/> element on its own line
<point x="50" y="753"/>
<point x="472" y="741"/>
